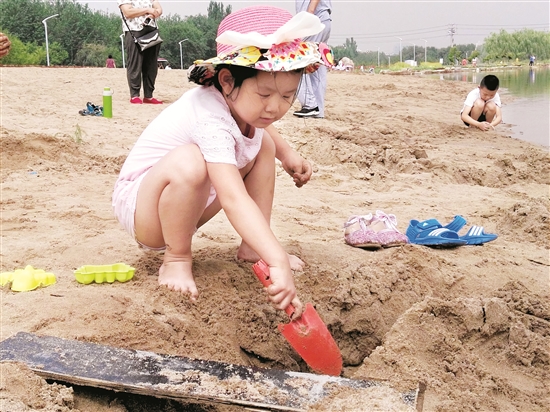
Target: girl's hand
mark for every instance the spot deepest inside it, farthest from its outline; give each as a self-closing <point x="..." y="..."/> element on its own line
<point x="282" y="291"/>
<point x="297" y="167"/>
<point x="298" y="308"/>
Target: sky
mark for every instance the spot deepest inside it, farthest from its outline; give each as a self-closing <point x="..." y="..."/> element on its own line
<point x="377" y="25"/>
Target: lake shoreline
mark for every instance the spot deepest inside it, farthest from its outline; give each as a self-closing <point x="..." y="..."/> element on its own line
<point x="446" y="70"/>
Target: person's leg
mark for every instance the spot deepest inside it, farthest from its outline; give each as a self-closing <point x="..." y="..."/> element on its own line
<point x="311" y="92"/>
<point x="170" y="201"/>
<point x="150" y="70"/>
<point x="490" y="111"/>
<point x="319" y="83"/>
<point x="133" y="65"/>
<point x="259" y="180"/>
<point x="477" y="109"/>
<point x="306" y="94"/>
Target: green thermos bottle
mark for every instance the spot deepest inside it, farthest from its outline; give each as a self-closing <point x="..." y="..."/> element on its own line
<point x="107" y="102"/>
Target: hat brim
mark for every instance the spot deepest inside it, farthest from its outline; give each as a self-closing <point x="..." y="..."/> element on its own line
<point x="284" y="57"/>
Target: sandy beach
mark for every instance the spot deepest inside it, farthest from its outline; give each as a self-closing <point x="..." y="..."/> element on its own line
<point x="472" y="322"/>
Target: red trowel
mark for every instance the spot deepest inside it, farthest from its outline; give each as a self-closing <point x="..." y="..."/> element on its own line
<point x="308" y="334"/>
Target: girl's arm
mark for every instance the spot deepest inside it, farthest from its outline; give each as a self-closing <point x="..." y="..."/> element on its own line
<point x="294" y="164"/>
<point x="249" y="222"/>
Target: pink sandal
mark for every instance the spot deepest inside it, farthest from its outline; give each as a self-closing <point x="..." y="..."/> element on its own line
<point x="359" y="234"/>
<point x="385" y="227"/>
<point x="373" y="232"/>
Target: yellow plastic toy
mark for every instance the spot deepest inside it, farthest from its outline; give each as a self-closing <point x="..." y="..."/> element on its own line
<point x="104" y="273"/>
<point x="24" y="280"/>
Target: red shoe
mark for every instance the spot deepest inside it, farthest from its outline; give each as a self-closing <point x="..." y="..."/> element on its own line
<point x="136" y="100"/>
<point x="152" y="100"/>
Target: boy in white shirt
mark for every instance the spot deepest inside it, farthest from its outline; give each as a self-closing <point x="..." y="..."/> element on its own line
<point x="482" y="105"/>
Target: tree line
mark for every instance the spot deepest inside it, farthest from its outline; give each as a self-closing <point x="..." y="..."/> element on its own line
<point x="497" y="47"/>
<point x="80" y="36"/>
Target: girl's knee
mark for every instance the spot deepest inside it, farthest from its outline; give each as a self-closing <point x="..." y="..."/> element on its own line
<point x="188" y="152"/>
<point x="185" y="164"/>
<point x="265" y="157"/>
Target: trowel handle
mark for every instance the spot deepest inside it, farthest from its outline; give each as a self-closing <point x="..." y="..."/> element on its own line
<point x="261" y="270"/>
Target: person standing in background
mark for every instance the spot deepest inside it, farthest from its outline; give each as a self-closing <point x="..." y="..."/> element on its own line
<point x="110" y="62"/>
<point x="140" y="17"/>
<point x="5" y="45"/>
<point x="313" y="86"/>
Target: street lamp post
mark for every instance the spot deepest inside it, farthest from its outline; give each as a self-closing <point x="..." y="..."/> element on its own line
<point x="414" y="52"/>
<point x="389" y="61"/>
<point x="46" y="31"/>
<point x="379" y="56"/>
<point x="425" y="50"/>
<point x="181" y="53"/>
<point x="122" y="47"/>
<point x="400" y="54"/>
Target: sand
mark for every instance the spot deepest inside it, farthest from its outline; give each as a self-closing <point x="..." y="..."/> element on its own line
<point x="473" y="322"/>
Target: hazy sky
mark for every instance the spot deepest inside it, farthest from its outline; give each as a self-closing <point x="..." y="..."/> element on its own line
<point x="377" y="24"/>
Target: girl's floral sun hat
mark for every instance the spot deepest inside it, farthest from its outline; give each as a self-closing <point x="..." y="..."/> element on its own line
<point x="265" y="38"/>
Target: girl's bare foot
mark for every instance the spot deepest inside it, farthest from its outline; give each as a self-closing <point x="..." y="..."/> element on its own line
<point x="248" y="255"/>
<point x="296" y="263"/>
<point x="179" y="277"/>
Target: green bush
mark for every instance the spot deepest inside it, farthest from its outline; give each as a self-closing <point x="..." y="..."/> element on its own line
<point x="58" y="55"/>
<point x="92" y="55"/>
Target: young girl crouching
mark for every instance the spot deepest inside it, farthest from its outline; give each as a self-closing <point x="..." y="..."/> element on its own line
<point x="215" y="148"/>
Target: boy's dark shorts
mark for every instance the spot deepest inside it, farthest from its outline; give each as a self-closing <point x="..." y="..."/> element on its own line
<point x="481" y="119"/>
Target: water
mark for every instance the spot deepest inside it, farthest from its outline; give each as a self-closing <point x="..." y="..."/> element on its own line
<point x="529" y="112"/>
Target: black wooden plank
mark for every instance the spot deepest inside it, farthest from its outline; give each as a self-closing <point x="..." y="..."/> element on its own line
<point x="175" y="377"/>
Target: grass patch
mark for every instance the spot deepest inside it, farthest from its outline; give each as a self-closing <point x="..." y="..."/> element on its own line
<point x="429" y="66"/>
<point x="422" y="66"/>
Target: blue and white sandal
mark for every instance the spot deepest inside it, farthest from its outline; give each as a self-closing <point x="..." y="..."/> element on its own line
<point x="476" y="234"/>
<point x="431" y="233"/>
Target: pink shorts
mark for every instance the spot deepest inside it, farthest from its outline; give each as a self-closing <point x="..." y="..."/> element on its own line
<point x="124" y="203"/>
